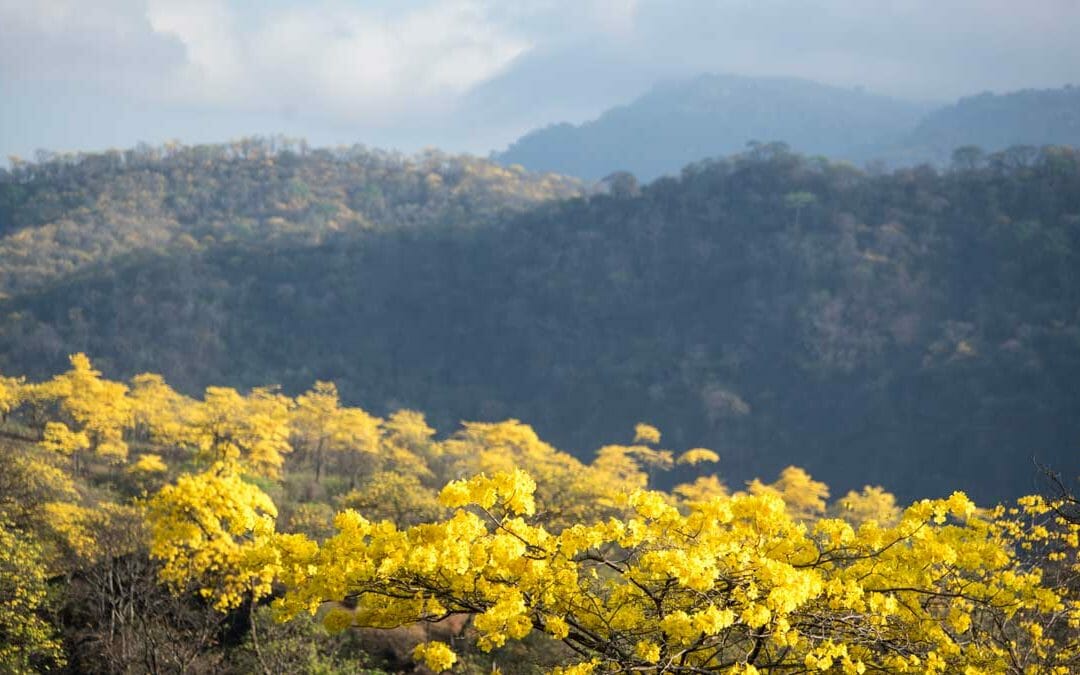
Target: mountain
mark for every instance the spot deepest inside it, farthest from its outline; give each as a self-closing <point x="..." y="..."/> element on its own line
<point x="993" y="122"/>
<point x="64" y="213"/>
<point x="682" y="122"/>
<point x="916" y="329"/>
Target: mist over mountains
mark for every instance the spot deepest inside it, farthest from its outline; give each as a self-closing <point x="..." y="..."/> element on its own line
<point x="1032" y="117"/>
<point x="681" y="122"/>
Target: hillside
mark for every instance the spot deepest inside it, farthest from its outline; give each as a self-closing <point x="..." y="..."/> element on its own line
<point x="993" y="122"/>
<point x="67" y="212"/>
<point x="914" y="329"/>
<point x="687" y="121"/>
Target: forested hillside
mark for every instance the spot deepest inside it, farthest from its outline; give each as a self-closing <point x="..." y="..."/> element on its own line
<point x="65" y="212"/>
<point x="681" y="122"/>
<point x="916" y="329"/>
<point x="687" y="121"/>
<point x="992" y="122"/>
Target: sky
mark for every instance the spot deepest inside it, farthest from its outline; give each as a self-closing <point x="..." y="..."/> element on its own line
<point x="473" y="75"/>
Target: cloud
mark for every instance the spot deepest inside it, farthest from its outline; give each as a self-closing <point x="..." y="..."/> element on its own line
<point x="911" y="48"/>
<point x="109" y="43"/>
<point x="475" y="73"/>
<point x="363" y="64"/>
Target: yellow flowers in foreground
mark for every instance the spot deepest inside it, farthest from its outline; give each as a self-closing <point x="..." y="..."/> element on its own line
<point x="533" y="543"/>
<point x="208" y="530"/>
<point x="733" y="584"/>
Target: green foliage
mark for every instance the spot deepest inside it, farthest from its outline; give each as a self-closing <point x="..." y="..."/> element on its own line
<point x="69" y="212"/>
<point x="994" y="122"/>
<point x="929" y="316"/>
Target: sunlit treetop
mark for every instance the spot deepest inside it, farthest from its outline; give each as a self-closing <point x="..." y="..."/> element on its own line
<point x="96" y="411"/>
<point x="646" y="433"/>
<point x="697" y="456"/>
<point x="320" y="425"/>
<point x="702" y="489"/>
<point x="871" y="503"/>
<point x="206" y="529"/>
<point x="159" y="411"/>
<point x="252" y="430"/>
<point x="804" y="497"/>
<point x="11" y="392"/>
<point x="148" y="463"/>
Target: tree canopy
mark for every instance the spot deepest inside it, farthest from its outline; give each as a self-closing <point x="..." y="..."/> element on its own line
<point x="202" y="548"/>
<point x="917" y="327"/>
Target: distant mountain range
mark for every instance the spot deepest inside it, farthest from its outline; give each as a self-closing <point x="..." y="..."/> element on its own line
<point x="712" y="115"/>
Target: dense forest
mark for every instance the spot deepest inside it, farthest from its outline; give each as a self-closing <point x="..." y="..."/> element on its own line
<point x="62" y="213"/>
<point x="686" y="121"/>
<point x="917" y="329"/>
<point x="142" y="530"/>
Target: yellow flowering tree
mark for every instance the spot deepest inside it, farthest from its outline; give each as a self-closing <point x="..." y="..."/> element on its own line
<point x="702" y="489"/>
<point x="28" y="644"/>
<point x="11" y="393"/>
<point x="568" y="490"/>
<point x="94" y="413"/>
<point x="804" y="497"/>
<point x="29" y="482"/>
<point x="251" y="430"/>
<point x="159" y="411"/>
<point x="398" y="497"/>
<point x="873" y="502"/>
<point x="732" y="584"/>
<point x="536" y="543"/>
<point x="320" y="425"/>
<point x="207" y="530"/>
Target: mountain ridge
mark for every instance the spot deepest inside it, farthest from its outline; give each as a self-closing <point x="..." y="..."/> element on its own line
<point x="682" y="121"/>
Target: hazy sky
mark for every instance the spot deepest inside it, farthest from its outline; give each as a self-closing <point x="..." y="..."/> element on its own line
<point x="473" y="74"/>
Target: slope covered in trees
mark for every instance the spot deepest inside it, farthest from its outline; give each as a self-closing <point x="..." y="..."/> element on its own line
<point x="685" y="122"/>
<point x="993" y="122"/>
<point x="148" y="531"/>
<point x="915" y="329"/>
<point x="682" y="122"/>
<point x="62" y="213"/>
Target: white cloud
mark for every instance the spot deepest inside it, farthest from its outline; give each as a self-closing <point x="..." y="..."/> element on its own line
<point x="456" y="71"/>
<point x="212" y="65"/>
<point x="361" y="64"/>
<point x="109" y="43"/>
